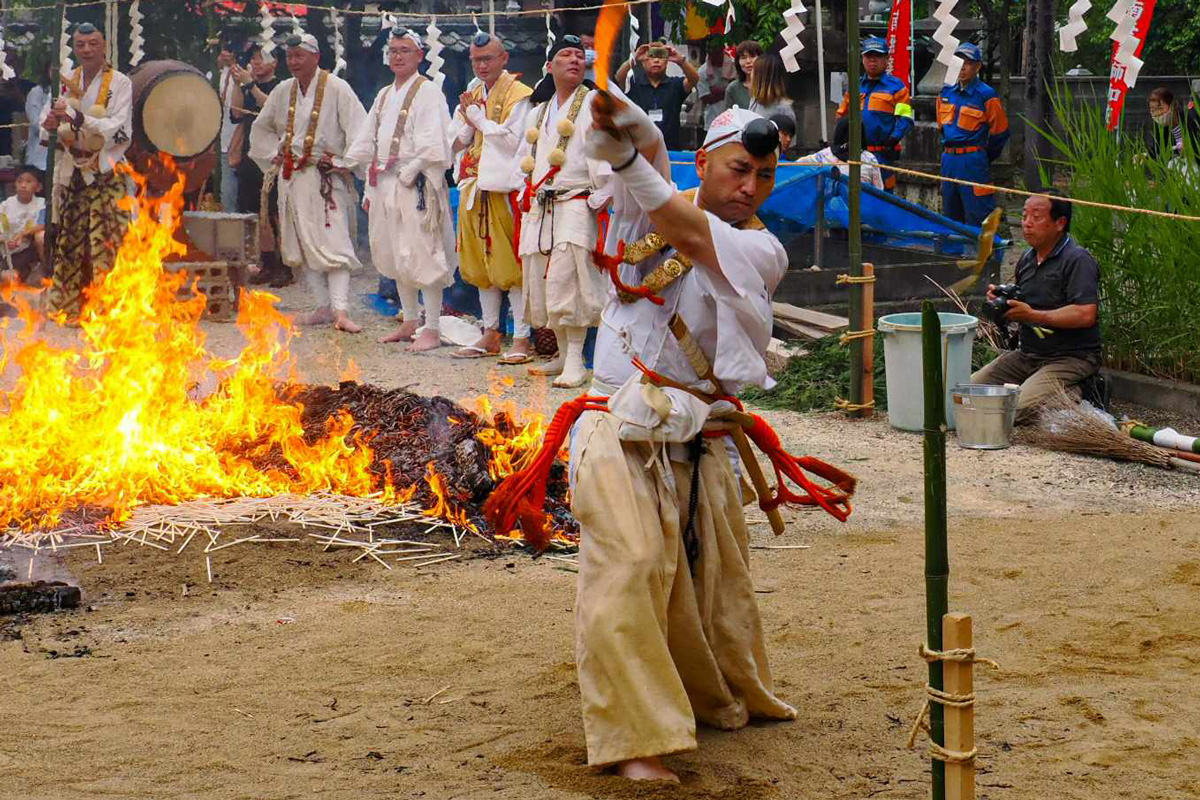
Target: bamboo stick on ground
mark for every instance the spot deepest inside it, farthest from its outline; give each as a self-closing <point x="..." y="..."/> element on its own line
<point x="937" y="563"/>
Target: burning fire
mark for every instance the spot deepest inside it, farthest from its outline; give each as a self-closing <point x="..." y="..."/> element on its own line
<point x="137" y="411"/>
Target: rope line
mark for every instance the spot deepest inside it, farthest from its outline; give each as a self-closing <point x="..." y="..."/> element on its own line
<point x="964" y="655"/>
<point x="844" y="278"/>
<point x="850" y="336"/>
<point x="842" y="404"/>
<point x="317" y="7"/>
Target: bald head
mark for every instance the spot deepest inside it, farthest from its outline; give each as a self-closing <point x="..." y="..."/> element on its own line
<point x="489" y="60"/>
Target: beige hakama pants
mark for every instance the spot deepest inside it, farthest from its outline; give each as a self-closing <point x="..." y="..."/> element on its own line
<point x="657" y="648"/>
<point x="564" y="289"/>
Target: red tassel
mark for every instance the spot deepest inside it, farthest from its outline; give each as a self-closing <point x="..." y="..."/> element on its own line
<point x="521" y="497"/>
<point x="836" y="503"/>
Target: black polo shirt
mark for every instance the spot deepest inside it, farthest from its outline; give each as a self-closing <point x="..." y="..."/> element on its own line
<point x="663" y="103"/>
<point x="1069" y="276"/>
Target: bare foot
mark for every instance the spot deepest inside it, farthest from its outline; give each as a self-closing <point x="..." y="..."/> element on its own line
<point x="429" y="339"/>
<point x="322" y="316"/>
<point x="344" y="323"/>
<point x="552" y="367"/>
<point x="522" y="346"/>
<point x="490" y="341"/>
<point x="402" y="334"/>
<point x="646" y="769"/>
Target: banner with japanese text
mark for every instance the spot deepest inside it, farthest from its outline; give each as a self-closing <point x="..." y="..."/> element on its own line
<point x="899" y="40"/>
<point x="1141" y="11"/>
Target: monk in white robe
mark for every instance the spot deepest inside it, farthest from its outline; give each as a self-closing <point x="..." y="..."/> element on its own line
<point x="668" y="630"/>
<point x="301" y="136"/>
<point x="564" y="191"/>
<point x="405" y="149"/>
<point x="488" y="195"/>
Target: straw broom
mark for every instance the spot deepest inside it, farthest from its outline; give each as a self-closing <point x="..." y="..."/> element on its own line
<point x="1062" y="424"/>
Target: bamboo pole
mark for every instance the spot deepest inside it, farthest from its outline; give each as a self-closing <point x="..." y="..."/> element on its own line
<point x="960" y="722"/>
<point x="853" y="58"/>
<point x="868" y="356"/>
<point x="214" y="41"/>
<point x="937" y="563"/>
<point x="60" y="11"/>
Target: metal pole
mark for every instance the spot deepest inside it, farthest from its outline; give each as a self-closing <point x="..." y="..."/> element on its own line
<point x="51" y="149"/>
<point x="853" y="65"/>
<point x="821" y="77"/>
<point x="492" y="17"/>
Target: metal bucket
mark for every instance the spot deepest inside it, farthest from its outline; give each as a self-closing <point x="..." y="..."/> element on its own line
<point x="985" y="415"/>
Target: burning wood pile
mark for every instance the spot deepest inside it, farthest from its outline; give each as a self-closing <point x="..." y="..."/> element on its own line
<point x="138" y="433"/>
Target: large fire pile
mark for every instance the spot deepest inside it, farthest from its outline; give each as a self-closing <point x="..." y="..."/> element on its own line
<point x="139" y="412"/>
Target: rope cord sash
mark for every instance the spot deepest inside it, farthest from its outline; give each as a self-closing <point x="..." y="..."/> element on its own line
<point x="936" y="751"/>
<point x="402" y="118"/>
<point x="290" y="164"/>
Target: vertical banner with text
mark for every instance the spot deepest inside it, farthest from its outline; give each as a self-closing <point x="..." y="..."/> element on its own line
<point x="899" y="40"/>
<point x="1141" y="11"/>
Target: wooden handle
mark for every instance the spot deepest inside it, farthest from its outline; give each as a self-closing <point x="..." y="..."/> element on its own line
<point x="756" y="476"/>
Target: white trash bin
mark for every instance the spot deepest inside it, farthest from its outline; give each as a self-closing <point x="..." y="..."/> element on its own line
<point x="905" y="372"/>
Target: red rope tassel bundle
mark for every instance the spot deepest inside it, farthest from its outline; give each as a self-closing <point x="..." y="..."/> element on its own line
<point x="522" y="495"/>
<point x="836" y="502"/>
<point x="612" y="265"/>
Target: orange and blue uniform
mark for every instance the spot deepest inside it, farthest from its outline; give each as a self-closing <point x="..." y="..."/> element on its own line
<point x="887" y="116"/>
<point x="974" y="131"/>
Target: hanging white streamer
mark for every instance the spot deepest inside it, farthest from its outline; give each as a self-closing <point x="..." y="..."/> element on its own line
<point x="387" y="22"/>
<point x="944" y="35"/>
<point x="66" y="65"/>
<point x="6" y="71"/>
<point x="791" y="34"/>
<point x="267" y="42"/>
<point x="635" y="38"/>
<point x="549" y="44"/>
<point x="112" y="17"/>
<point x="339" y="44"/>
<point x="730" y="17"/>
<point x="137" y="41"/>
<point x="433" y="43"/>
<point x="1126" y="39"/>
<point x="1075" y="26"/>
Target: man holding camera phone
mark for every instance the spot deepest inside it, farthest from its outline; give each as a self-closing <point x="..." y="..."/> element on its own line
<point x="656" y="93"/>
<point x="1056" y="300"/>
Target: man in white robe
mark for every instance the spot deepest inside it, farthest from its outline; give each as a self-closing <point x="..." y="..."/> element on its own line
<point x="667" y="628"/>
<point x="564" y="190"/>
<point x="301" y="136"/>
<point x="403" y="147"/>
<point x="488" y="194"/>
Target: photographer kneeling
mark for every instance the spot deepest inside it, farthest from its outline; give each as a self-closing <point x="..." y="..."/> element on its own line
<point x="1057" y="283"/>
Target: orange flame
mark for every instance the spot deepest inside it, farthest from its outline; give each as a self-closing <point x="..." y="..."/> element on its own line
<point x="116" y="420"/>
<point x="608" y="25"/>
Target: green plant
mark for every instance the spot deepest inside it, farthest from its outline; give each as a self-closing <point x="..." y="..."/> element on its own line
<point x="814" y="381"/>
<point x="1149" y="283"/>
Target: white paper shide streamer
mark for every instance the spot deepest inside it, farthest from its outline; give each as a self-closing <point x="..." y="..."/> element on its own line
<point x="137" y="42"/>
<point x="730" y="17"/>
<point x="1123" y="13"/>
<point x="433" y="44"/>
<point x="66" y="65"/>
<point x="339" y="44"/>
<point x="267" y="42"/>
<point x="944" y="35"/>
<point x="389" y="23"/>
<point x="112" y="20"/>
<point x="1075" y="26"/>
<point x="549" y="44"/>
<point x="792" y="29"/>
<point x="635" y="27"/>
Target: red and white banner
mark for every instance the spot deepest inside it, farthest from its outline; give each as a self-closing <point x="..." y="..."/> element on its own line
<point x="1141" y="11"/>
<point x="899" y="41"/>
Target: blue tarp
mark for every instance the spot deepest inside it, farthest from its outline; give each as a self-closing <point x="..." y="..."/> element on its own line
<point x="793" y="207"/>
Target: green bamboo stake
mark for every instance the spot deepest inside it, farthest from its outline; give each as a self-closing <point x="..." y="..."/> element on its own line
<point x="214" y="41"/>
<point x="937" y="561"/>
<point x="55" y="82"/>
<point x="855" y="310"/>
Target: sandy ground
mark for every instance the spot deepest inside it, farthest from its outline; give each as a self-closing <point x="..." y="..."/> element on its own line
<point x="298" y="674"/>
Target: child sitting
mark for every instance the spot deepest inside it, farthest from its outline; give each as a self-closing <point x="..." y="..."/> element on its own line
<point x="23" y="225"/>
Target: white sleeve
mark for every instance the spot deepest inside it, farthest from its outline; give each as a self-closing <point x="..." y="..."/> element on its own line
<point x="362" y="146"/>
<point x="266" y="133"/>
<point x="117" y="126"/>
<point x="431" y="150"/>
<point x="351" y="116"/>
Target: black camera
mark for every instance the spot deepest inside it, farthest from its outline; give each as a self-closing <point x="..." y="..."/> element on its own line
<point x="995" y="309"/>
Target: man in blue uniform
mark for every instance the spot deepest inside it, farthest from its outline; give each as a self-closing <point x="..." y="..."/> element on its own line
<point x="974" y="130"/>
<point x="886" y="104"/>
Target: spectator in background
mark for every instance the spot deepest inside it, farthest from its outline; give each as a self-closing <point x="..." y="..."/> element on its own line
<point x="589" y="56"/>
<point x="716" y="75"/>
<point x="256" y="82"/>
<point x="35" y="102"/>
<point x="887" y="113"/>
<point x="23" y="225"/>
<point x="787" y="133"/>
<point x="12" y="101"/>
<point x="228" y="89"/>
<point x="839" y="152"/>
<point x="738" y="92"/>
<point x="768" y="87"/>
<point x="1171" y="126"/>
<point x="659" y="95"/>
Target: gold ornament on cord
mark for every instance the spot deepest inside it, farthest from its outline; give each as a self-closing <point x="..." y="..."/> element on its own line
<point x="66" y="134"/>
<point x="97" y="111"/>
<point x="566" y="128"/>
<point x="557" y="157"/>
<point x="531" y="135"/>
<point x="527" y="165"/>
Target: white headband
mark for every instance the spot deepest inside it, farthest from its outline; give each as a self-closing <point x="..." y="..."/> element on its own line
<point x="410" y="34"/>
<point x="308" y="42"/>
<point x="727" y="127"/>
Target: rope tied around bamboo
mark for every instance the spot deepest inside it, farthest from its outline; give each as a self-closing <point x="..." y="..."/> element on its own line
<point x="843" y="278"/>
<point x="850" y="336"/>
<point x="964" y="655"/>
<point x="842" y="404"/>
